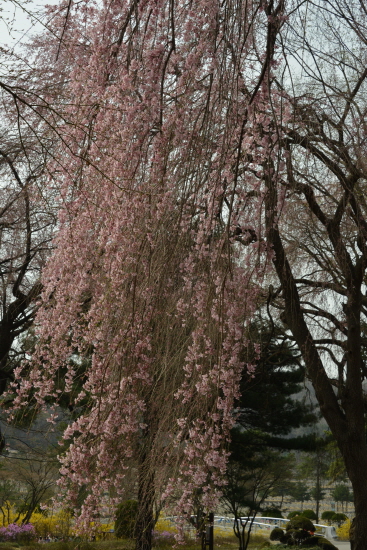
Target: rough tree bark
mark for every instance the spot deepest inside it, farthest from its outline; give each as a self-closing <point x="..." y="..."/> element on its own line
<point x="145" y="517"/>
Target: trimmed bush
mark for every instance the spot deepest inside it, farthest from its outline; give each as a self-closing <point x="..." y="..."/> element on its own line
<point x="319" y="542"/>
<point x="311" y="541"/>
<point x="294" y="514"/>
<point x="276" y="534"/>
<point x="328" y="515"/>
<point x="287" y="538"/>
<point x="126" y="514"/>
<point x="325" y="544"/>
<point x="272" y="513"/>
<point x="310" y="514"/>
<point x="301" y="522"/>
<point x="300" y="535"/>
<point x="292" y="536"/>
<point x="339" y="518"/>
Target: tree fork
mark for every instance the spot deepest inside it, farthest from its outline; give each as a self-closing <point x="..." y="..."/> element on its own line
<point x="348" y="426"/>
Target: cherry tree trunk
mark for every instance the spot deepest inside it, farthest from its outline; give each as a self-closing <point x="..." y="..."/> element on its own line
<point x="145" y="518"/>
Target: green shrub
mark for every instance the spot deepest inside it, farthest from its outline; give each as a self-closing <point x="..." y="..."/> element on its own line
<point x="126" y="514"/>
<point x="272" y="513"/>
<point x="311" y="541"/>
<point x="294" y="514"/>
<point x="287" y="538"/>
<point x="276" y="534"/>
<point x="301" y="522"/>
<point x="328" y="515"/>
<point x="300" y="535"/>
<point x="292" y="536"/>
<point x="310" y="514"/>
<point x="339" y="518"/>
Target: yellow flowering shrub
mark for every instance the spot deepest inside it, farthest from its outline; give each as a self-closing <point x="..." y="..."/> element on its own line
<point x="8" y="514"/>
<point x="102" y="530"/>
<point x="165" y="525"/>
<point x="343" y="530"/>
<point x="55" y="525"/>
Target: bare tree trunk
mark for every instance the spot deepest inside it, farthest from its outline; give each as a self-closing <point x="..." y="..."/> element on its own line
<point x="344" y="412"/>
<point x="356" y="464"/>
<point x="318" y="488"/>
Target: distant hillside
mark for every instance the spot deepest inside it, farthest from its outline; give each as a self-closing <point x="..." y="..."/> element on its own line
<point x="307" y="395"/>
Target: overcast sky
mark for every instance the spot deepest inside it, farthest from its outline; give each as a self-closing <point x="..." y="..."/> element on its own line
<point x="17" y="24"/>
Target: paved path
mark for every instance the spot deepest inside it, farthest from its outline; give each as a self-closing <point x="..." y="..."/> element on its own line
<point x="341" y="545"/>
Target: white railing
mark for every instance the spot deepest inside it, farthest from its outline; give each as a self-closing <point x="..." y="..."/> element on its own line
<point x="265" y="524"/>
<point x="269" y="523"/>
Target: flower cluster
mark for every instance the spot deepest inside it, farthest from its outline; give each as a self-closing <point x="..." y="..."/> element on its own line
<point x="17" y="532"/>
<point x="163" y="535"/>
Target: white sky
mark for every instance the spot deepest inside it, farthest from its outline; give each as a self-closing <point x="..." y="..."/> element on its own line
<point x="16" y="23"/>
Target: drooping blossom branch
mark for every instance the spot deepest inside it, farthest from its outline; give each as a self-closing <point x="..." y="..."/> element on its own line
<point x="159" y="258"/>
